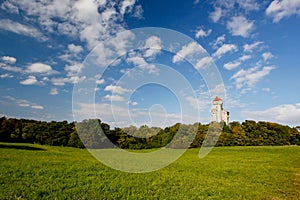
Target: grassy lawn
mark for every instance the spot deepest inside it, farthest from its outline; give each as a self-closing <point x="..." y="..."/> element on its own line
<point x="35" y="172"/>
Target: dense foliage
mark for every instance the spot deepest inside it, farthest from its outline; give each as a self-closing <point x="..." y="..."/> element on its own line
<point x="249" y="133"/>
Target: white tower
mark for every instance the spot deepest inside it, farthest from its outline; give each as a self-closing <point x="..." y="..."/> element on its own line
<point x="218" y="113"/>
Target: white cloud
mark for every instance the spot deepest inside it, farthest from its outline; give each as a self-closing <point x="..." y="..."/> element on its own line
<point x="31" y="80"/>
<point x="133" y="103"/>
<point x="202" y="33"/>
<point x="37" y="107"/>
<point x="188" y="50"/>
<point x="153" y="46"/>
<point x="100" y="81"/>
<point x="248" y="5"/>
<point x="10" y="68"/>
<point x="40" y="68"/>
<point x="138" y="12"/>
<point x="219" y="41"/>
<point x="196" y="102"/>
<point x="8" y="6"/>
<point x="244" y="58"/>
<point x="284" y="114"/>
<point x="281" y="9"/>
<point x="224" y="8"/>
<point x="240" y="26"/>
<point x="267" y="56"/>
<point x="9" y="59"/>
<point x="86" y="20"/>
<point x="204" y="62"/>
<point x="54" y="91"/>
<point x="72" y="54"/>
<point x="21" y="29"/>
<point x="216" y="15"/>
<point x="225" y="48"/>
<point x="126" y="5"/>
<point x="232" y="65"/>
<point x="249" y="77"/>
<point x="63" y="81"/>
<point x="23" y="102"/>
<point x="141" y="63"/>
<point x="73" y="69"/>
<point x="76" y="49"/>
<point x="251" y="47"/>
<point x="116" y="89"/>
<point x="6" y="75"/>
<point x="114" y="98"/>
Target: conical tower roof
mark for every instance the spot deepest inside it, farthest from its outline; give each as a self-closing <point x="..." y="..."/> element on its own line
<point x="217" y="99"/>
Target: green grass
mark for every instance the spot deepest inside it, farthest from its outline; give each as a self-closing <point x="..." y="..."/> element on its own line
<point x="44" y="172"/>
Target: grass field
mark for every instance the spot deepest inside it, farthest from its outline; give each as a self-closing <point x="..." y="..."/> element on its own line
<point x="44" y="172"/>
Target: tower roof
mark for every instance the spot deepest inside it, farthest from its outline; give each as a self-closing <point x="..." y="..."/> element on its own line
<point x="217" y="99"/>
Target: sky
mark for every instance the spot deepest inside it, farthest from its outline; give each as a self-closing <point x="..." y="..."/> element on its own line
<point x="251" y="47"/>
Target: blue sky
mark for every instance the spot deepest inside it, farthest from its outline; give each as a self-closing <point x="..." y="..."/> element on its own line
<point x="255" y="46"/>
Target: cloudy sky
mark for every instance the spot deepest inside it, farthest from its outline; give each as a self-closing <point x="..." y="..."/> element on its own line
<point x="254" y="45"/>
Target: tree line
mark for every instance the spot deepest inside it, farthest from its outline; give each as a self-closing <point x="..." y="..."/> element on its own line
<point x="63" y="133"/>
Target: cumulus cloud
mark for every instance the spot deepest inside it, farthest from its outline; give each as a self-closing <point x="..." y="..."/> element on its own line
<point x="8" y="6"/>
<point x="114" y="98"/>
<point x="197" y="103"/>
<point x="100" y="81"/>
<point x="232" y="65"/>
<point x="138" y="12"/>
<point x="116" y="89"/>
<point x="248" y="5"/>
<point x="9" y="59"/>
<point x="223" y="8"/>
<point x="73" y="70"/>
<point x="189" y="50"/>
<point x="30" y="80"/>
<point x="63" y="81"/>
<point x="204" y="62"/>
<point x="283" y="114"/>
<point x="248" y="78"/>
<point x="251" y="47"/>
<point x="202" y="33"/>
<point x="240" y="26"/>
<point x="37" y="107"/>
<point x="10" y="68"/>
<point x="216" y="15"/>
<point x="40" y="68"/>
<point x="218" y="42"/>
<point x="88" y="21"/>
<point x="153" y="46"/>
<point x="54" y="91"/>
<point x="76" y="49"/>
<point x="141" y="63"/>
<point x="225" y="48"/>
<point x="133" y="103"/>
<point x="23" y="102"/>
<point x="21" y="29"/>
<point x="281" y="9"/>
<point x="267" y="56"/>
<point x="6" y="75"/>
<point x="244" y="58"/>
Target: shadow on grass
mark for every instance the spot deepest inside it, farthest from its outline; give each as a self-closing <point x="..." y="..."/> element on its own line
<point x="21" y="147"/>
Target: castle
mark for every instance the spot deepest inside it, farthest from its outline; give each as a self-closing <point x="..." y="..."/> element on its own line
<point x="218" y="113"/>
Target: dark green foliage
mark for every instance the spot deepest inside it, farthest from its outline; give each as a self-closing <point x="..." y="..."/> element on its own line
<point x="95" y="134"/>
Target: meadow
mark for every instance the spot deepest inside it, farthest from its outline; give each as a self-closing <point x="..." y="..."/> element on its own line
<point x="31" y="171"/>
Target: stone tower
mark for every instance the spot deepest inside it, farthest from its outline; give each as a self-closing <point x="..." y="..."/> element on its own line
<point x="218" y="113"/>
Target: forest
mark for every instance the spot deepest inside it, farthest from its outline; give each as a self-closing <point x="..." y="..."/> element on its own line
<point x="64" y="133"/>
